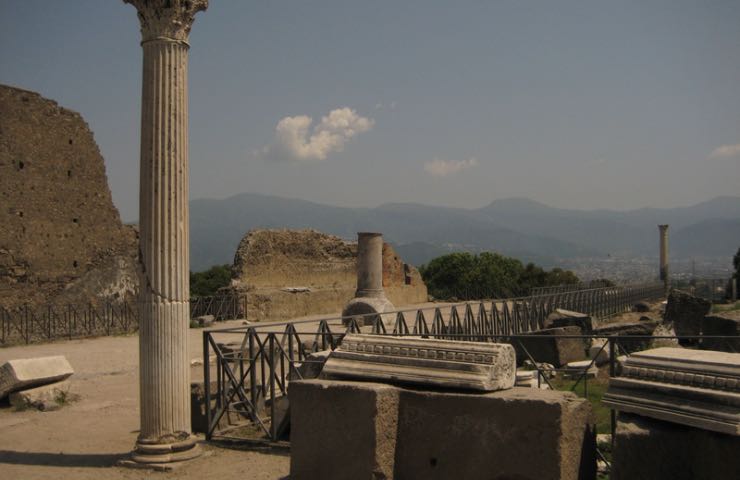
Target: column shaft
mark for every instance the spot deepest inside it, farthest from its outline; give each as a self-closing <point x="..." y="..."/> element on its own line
<point x="164" y="244"/>
<point x="369" y="265"/>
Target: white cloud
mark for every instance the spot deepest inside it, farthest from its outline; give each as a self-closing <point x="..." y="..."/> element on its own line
<point x="442" y="168"/>
<point x="295" y="140"/>
<point x="726" y="151"/>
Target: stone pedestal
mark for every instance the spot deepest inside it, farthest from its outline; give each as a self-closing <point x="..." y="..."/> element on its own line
<point x="369" y="297"/>
<point x="438" y="363"/>
<point x="360" y="430"/>
<point x="699" y="389"/>
<point x="163" y="231"/>
<point x="649" y="449"/>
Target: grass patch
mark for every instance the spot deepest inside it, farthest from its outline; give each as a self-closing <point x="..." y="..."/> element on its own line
<point x="596" y="390"/>
<point x="729" y="307"/>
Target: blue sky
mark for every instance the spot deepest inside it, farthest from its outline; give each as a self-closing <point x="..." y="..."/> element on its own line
<point x="578" y="104"/>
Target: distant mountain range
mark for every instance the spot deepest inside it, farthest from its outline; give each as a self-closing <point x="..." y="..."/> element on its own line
<point x="517" y="227"/>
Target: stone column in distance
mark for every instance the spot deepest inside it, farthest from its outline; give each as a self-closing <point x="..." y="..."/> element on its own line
<point x="370" y="297"/>
<point x="164" y="370"/>
<point x="664" y="256"/>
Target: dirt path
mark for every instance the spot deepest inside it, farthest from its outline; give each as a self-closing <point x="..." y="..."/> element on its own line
<point x="85" y="439"/>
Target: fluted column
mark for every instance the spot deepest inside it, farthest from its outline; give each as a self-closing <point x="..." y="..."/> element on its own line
<point x="164" y="368"/>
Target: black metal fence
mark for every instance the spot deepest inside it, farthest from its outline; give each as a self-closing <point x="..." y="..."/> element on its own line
<point x="251" y="366"/>
<point x="29" y="325"/>
<point x="26" y="324"/>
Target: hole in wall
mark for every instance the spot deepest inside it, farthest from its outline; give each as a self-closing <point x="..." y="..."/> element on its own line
<point x="20" y="214"/>
<point x="74" y="264"/>
<point x="70" y="141"/>
<point x="69" y="173"/>
<point x="433" y="461"/>
<point x="21" y="165"/>
<point x="74" y="220"/>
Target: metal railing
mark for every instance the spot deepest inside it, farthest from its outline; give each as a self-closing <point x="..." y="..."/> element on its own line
<point x="253" y="365"/>
<point x="26" y="324"/>
<point x="29" y="325"/>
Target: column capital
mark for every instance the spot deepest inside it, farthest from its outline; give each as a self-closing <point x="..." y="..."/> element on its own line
<point x="167" y="19"/>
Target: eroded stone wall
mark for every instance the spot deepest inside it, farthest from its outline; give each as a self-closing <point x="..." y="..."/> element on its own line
<point x="61" y="240"/>
<point x="292" y="273"/>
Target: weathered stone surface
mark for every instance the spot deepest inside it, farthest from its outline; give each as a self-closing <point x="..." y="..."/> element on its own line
<point x="548" y="345"/>
<point x="686" y="312"/>
<point x="342" y="430"/>
<point x="639" y="329"/>
<point x="641" y="307"/>
<point x="649" y="449"/>
<point x="62" y="239"/>
<point x="599" y="350"/>
<point x="311" y="367"/>
<point x="726" y="323"/>
<point x="269" y="261"/>
<point x="567" y="318"/>
<point x="577" y="369"/>
<point x="691" y="387"/>
<point x="45" y="398"/>
<point x="400" y="433"/>
<point x="26" y="373"/>
<point x="205" y="320"/>
<point x="441" y="363"/>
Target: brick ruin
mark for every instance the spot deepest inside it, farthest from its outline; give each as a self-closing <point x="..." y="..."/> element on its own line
<point x="292" y="273"/>
<point x="62" y="240"/>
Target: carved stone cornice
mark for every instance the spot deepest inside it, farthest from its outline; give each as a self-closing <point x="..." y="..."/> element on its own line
<point x="167" y="19"/>
<point x="436" y="363"/>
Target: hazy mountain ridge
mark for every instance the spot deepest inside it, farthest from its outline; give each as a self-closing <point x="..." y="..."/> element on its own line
<point x="518" y="227"/>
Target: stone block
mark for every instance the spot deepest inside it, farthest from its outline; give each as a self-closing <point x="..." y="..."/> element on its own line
<point x="596" y="351"/>
<point x="441" y="363"/>
<point x="548" y="345"/>
<point x="311" y="367"/>
<point x="686" y="312"/>
<point x="205" y="320"/>
<point x="649" y="449"/>
<point x="690" y="387"/>
<point x="32" y="372"/>
<point x="358" y="430"/>
<point x="634" y="329"/>
<point x="45" y="398"/>
<point x="575" y="370"/>
<point x="567" y="318"/>
<point x="342" y="430"/>
<point x="641" y="307"/>
<point x="726" y="323"/>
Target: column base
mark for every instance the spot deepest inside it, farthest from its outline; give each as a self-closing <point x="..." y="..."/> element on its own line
<point x="369" y="306"/>
<point x="162" y="456"/>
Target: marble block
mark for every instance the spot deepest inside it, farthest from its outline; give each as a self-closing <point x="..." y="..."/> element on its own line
<point x="440" y="363"/>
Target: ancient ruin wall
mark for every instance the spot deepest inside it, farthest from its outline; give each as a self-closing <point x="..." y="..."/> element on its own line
<point x="292" y="273"/>
<point x="61" y="237"/>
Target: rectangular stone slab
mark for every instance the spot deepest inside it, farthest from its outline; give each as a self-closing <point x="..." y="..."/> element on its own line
<point x="27" y="373"/>
<point x="696" y="388"/>
<point x="440" y="363"/>
<point x="43" y="396"/>
<point x="365" y="430"/>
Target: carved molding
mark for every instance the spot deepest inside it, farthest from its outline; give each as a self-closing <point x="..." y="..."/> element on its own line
<point x="167" y="19"/>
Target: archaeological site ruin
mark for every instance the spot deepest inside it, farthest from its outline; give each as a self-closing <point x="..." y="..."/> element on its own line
<point x="321" y="355"/>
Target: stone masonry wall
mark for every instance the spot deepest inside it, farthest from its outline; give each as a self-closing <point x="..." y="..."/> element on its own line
<point x="270" y="262"/>
<point x="61" y="238"/>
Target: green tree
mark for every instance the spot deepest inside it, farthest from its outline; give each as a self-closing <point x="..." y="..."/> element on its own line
<point x="207" y="283"/>
<point x="467" y="276"/>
